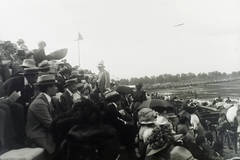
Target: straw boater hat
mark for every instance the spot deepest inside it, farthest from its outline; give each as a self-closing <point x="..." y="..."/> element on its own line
<point x="29" y="63"/>
<point x="46" y="80"/>
<point x="101" y="64"/>
<point x="72" y="82"/>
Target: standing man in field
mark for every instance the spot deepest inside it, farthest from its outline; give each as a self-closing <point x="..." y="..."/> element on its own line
<point x="103" y="81"/>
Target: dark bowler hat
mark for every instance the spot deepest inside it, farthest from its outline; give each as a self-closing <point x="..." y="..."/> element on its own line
<point x="46" y="80"/>
<point x="30" y="71"/>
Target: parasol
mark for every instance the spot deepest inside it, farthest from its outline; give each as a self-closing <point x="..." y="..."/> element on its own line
<point x="158" y="105"/>
<point x="124" y="89"/>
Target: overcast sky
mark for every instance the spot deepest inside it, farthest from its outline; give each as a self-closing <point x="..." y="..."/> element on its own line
<point x="133" y="37"/>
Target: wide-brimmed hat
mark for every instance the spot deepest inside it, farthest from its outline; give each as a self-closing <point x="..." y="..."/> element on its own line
<point x="30" y="71"/>
<point x="101" y="64"/>
<point x="20" y="41"/>
<point x="46" y="80"/>
<point x="160" y="138"/>
<point x="29" y="63"/>
<point x="111" y="96"/>
<point x="181" y="153"/>
<point x="161" y="120"/>
<point x="147" y="116"/>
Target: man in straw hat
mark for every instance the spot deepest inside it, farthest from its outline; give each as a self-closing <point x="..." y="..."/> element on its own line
<point x="41" y="114"/>
<point x="66" y="98"/>
<point x="27" y="63"/>
<point x="22" y="83"/>
<point x="103" y="81"/>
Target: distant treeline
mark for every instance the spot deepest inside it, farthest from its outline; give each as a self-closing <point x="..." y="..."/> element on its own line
<point x="179" y="80"/>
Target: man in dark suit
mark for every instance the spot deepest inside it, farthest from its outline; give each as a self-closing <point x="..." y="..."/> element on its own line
<point x="66" y="98"/>
<point x="39" y="54"/>
<point x="41" y="114"/>
<point x="22" y="83"/>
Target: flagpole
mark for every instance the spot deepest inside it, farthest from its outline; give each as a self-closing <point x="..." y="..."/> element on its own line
<point x="79" y="38"/>
<point x="79" y="53"/>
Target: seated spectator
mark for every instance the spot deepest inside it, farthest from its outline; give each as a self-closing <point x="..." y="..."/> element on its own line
<point x="160" y="143"/>
<point x="41" y="114"/>
<point x="119" y="118"/>
<point x="185" y="129"/>
<point x="198" y="149"/>
<point x="18" y="60"/>
<point x="27" y="63"/>
<point x="22" y="84"/>
<point x="66" y="99"/>
<point x="62" y="76"/>
<point x="13" y="134"/>
<point x="93" y="142"/>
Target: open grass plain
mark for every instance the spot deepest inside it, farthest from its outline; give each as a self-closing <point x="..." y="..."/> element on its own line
<point x="208" y="92"/>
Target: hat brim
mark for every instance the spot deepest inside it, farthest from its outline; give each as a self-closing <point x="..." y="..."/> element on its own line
<point x="116" y="96"/>
<point x="28" y="66"/>
<point x="148" y="122"/>
<point x="78" y="84"/>
<point x="45" y="83"/>
<point x="150" y="151"/>
<point x="29" y="73"/>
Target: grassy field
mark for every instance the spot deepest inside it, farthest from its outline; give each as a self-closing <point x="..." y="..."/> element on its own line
<point x="209" y="91"/>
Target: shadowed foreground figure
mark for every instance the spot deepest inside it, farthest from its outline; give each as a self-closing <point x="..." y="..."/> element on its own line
<point x="86" y="142"/>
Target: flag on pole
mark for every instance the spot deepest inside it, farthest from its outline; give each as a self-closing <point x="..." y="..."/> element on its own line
<point x="79" y="37"/>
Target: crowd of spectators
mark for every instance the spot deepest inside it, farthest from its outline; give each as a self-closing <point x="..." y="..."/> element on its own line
<point x="75" y="114"/>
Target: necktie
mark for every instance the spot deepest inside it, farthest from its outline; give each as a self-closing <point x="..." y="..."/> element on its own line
<point x="52" y="110"/>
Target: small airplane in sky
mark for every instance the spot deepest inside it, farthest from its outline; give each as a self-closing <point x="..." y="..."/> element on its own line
<point x="179" y="25"/>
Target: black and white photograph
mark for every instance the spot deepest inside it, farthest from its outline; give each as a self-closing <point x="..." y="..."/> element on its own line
<point x="119" y="80"/>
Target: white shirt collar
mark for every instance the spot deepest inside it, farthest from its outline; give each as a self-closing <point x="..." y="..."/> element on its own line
<point x="25" y="81"/>
<point x="48" y="97"/>
<point x="71" y="94"/>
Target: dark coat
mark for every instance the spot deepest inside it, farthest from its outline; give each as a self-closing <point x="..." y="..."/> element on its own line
<point x="39" y="118"/>
<point x="139" y="96"/>
<point x="66" y="101"/>
<point x="115" y="119"/>
<point x="39" y="56"/>
<point x="17" y="84"/>
<point x="197" y="152"/>
<point x="61" y="84"/>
